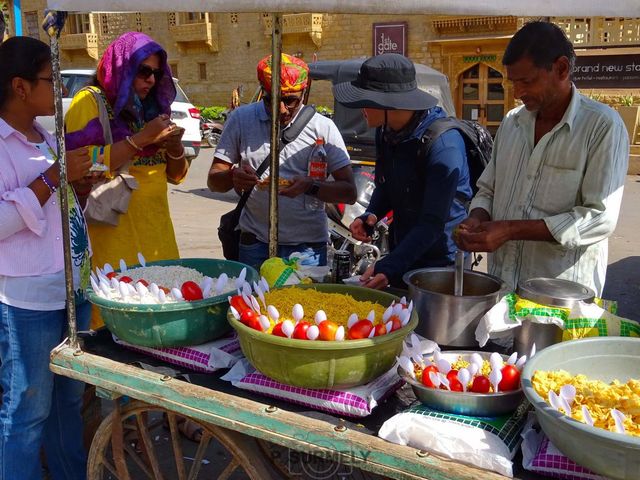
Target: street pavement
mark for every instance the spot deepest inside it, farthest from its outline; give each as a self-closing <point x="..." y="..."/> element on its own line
<point x="196" y="214"/>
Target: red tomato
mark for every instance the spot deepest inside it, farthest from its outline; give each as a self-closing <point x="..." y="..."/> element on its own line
<point x="126" y="279"/>
<point x="191" y="291"/>
<point x="238" y="303"/>
<point x="327" y="330"/>
<point x="360" y="329"/>
<point x="452" y="375"/>
<point x="381" y="329"/>
<point x="143" y="281"/>
<point x="396" y="324"/>
<point x="481" y="384"/>
<point x="455" y="385"/>
<point x="165" y="289"/>
<point x="110" y="275"/>
<point x="277" y="330"/>
<point x="426" y="381"/>
<point x="250" y="319"/>
<point x="300" y="330"/>
<point x="510" y="379"/>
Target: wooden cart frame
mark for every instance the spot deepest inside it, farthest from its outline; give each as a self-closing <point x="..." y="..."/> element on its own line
<point x="230" y="418"/>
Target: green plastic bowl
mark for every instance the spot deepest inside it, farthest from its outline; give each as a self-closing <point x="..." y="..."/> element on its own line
<point x="605" y="358"/>
<point x="173" y="324"/>
<point x="325" y="364"/>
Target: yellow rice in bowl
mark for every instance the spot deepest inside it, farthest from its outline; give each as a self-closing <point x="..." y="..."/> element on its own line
<point x="337" y="306"/>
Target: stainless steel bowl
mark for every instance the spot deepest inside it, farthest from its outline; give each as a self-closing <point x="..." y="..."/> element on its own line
<point x="445" y="318"/>
<point x="465" y="403"/>
<point x="605" y="358"/>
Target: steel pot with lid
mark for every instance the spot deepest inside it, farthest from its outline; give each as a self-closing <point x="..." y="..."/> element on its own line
<point x="445" y="318"/>
<point x="552" y="292"/>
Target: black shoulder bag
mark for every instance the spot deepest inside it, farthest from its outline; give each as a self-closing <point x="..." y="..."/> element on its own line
<point x="228" y="231"/>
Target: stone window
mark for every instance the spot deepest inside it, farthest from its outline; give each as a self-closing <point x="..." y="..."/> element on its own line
<point x="171" y="19"/>
<point x="233" y="18"/>
<point x="138" y="21"/>
<point x="104" y="24"/>
<point x="194" y="17"/>
<point x="32" y="24"/>
<point x="202" y="71"/>
<point x="78" y="23"/>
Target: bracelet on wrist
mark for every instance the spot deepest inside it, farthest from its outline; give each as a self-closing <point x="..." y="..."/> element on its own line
<point x="52" y="188"/>
<point x="133" y="144"/>
<point x="173" y="157"/>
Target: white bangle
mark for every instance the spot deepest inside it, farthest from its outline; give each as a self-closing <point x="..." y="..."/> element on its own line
<point x="132" y="143"/>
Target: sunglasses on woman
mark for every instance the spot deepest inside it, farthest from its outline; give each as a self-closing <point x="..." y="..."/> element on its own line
<point x="289" y="101"/>
<point x="145" y="71"/>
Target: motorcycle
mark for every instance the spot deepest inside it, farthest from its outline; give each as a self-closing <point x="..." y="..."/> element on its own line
<point x="340" y="216"/>
<point x="210" y="131"/>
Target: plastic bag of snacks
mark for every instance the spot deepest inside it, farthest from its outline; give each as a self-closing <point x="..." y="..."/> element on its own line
<point x="293" y="270"/>
<point x="352" y="402"/>
<point x="583" y="320"/>
<point x="489" y="443"/>
<point x="208" y="357"/>
<point x="541" y="456"/>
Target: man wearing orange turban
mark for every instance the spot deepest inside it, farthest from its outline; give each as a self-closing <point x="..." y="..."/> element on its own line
<point x="244" y="145"/>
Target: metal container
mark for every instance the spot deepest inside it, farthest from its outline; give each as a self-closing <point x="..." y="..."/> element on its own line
<point x="607" y="453"/>
<point x="553" y="292"/>
<point x="341" y="266"/>
<point x="445" y="318"/>
<point x="465" y="403"/>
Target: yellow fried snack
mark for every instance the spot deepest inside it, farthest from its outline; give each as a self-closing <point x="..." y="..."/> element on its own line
<point x="282" y="183"/>
<point x="599" y="398"/>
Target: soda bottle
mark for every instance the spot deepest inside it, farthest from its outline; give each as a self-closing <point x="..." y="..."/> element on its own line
<point x="317" y="170"/>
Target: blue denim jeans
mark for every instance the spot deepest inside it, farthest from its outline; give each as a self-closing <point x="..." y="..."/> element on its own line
<point x="39" y="409"/>
<point x="258" y="252"/>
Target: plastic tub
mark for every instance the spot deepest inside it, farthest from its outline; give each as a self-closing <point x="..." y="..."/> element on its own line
<point x="325" y="364"/>
<point x="173" y="324"/>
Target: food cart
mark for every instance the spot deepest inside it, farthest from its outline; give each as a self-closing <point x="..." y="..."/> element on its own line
<point x="252" y="429"/>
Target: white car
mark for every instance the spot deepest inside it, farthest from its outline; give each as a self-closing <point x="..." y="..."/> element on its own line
<point x="183" y="113"/>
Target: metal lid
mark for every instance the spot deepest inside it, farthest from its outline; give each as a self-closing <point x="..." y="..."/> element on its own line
<point x="555" y="292"/>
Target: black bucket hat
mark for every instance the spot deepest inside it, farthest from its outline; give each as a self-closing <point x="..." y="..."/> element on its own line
<point x="386" y="81"/>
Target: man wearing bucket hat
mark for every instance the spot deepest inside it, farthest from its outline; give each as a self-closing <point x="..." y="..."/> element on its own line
<point x="427" y="194"/>
<point x="244" y="145"/>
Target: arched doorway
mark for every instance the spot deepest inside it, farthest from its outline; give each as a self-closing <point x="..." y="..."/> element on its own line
<point x="481" y="96"/>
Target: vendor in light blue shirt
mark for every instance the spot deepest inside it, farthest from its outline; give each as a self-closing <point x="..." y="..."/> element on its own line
<point x="550" y="197"/>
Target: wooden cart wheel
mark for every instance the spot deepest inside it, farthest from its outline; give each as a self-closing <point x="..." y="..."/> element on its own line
<point x="133" y="442"/>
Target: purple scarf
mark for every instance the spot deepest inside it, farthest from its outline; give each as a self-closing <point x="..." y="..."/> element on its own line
<point x="116" y="71"/>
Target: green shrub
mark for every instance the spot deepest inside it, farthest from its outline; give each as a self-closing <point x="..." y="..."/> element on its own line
<point x="213" y="112"/>
<point x="324" y="110"/>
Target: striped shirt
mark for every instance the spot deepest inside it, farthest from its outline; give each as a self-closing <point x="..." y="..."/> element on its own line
<point x="572" y="179"/>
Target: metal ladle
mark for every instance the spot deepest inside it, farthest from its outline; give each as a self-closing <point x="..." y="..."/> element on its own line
<point x="458" y="289"/>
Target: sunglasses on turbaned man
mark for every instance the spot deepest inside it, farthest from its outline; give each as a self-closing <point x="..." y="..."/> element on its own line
<point x="145" y="71"/>
<point x="289" y="101"/>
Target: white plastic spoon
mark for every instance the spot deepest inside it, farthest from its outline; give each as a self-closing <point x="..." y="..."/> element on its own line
<point x="261" y="296"/>
<point x="618" y="418"/>
<point x="264" y="322"/>
<point x="554" y="400"/>
<point x="353" y="318"/>
<point x="473" y="369"/>
<point x="586" y="415"/>
<point x="313" y="332"/>
<point x="222" y="281"/>
<point x="255" y="304"/>
<point x="297" y="312"/>
<point x="339" y="334"/>
<point x="107" y="268"/>
<point x="177" y="294"/>
<point x="387" y="314"/>
<point x="435" y="379"/>
<point x="234" y="312"/>
<point x="533" y="351"/>
<point x="141" y="260"/>
<point x="124" y="290"/>
<point x="443" y="380"/>
<point x="521" y="361"/>
<point x="464" y="377"/>
<point x="153" y="288"/>
<point x="371" y="316"/>
<point x="568" y="392"/>
<point x="476" y="358"/>
<point x="123" y="265"/>
<point x="287" y="328"/>
<point x="513" y="359"/>
<point x="273" y="313"/>
<point x="406" y="365"/>
<point x="495" y="377"/>
<point x="207" y="283"/>
<point x="94" y="284"/>
<point x="241" y="277"/>
<point x="162" y="297"/>
<point x="141" y="289"/>
<point x="444" y="366"/>
<point x="495" y="360"/>
<point x="320" y="317"/>
<point x="264" y="284"/>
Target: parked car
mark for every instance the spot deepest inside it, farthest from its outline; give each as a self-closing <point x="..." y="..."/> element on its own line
<point x="183" y="113"/>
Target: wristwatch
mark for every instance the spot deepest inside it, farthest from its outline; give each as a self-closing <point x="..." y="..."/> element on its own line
<point x="313" y="189"/>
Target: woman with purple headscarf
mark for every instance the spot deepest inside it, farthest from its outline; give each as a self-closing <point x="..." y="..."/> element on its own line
<point x="135" y="81"/>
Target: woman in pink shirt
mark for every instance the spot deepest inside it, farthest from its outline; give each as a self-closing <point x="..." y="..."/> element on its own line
<point x="38" y="409"/>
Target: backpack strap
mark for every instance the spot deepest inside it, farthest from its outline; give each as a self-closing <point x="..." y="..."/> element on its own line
<point x="291" y="133"/>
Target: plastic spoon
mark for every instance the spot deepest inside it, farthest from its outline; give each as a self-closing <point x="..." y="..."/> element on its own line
<point x="618" y="418"/>
<point x="435" y="379"/>
<point x="495" y="360"/>
<point x="221" y="283"/>
<point x="444" y="366"/>
<point x="123" y="265"/>
<point x="297" y="312"/>
<point x="495" y="377"/>
<point x="406" y="365"/>
<point x="372" y="316"/>
<point x="340" y="333"/>
<point x="443" y="380"/>
<point x="107" y="268"/>
<point x="320" y="317"/>
<point x="353" y="318"/>
<point x="141" y="260"/>
<point x="568" y="392"/>
<point x="588" y="419"/>
<point x="273" y="313"/>
<point x="387" y="314"/>
<point x="241" y="277"/>
<point x="255" y="304"/>
<point x="464" y="377"/>
<point x="554" y="401"/>
<point x="521" y="361"/>
<point x="473" y="369"/>
<point x="264" y="284"/>
<point x="513" y="359"/>
<point x="287" y="328"/>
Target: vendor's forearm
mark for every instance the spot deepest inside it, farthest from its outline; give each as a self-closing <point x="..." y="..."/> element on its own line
<point x="532" y="230"/>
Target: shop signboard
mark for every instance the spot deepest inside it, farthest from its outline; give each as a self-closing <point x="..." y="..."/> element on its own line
<point x="607" y="71"/>
<point x="390" y="38"/>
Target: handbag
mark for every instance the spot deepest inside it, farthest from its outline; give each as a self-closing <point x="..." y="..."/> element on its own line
<point x="109" y="198"/>
<point x="228" y="231"/>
